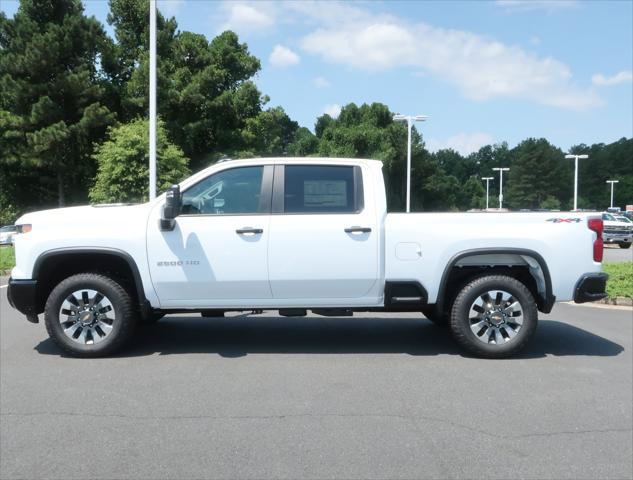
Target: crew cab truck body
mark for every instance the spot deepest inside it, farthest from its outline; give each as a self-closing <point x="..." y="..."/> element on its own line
<point x="293" y="235"/>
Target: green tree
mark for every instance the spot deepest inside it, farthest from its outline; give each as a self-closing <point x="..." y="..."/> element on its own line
<point x="369" y="131"/>
<point x="454" y="164"/>
<point x="537" y="171"/>
<point x="52" y="91"/>
<point x="124" y="164"/>
<point x="268" y="134"/>
<point x="472" y="194"/>
<point x="489" y="157"/>
<point x="606" y="162"/>
<point x="550" y="203"/>
<point x="205" y="93"/>
<point x="304" y="143"/>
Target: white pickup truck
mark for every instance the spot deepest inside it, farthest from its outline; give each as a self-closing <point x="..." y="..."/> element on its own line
<point x="294" y="235"/>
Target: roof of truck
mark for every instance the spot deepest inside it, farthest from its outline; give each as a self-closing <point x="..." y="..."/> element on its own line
<point x="296" y="159"/>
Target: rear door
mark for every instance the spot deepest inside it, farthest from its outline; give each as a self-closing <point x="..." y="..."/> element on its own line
<point x="324" y="237"/>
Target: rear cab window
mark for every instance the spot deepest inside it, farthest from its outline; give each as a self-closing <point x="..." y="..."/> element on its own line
<point x="322" y="189"/>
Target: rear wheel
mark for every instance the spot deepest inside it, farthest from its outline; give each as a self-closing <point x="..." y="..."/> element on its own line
<point x="89" y="315"/>
<point x="494" y="316"/>
<point x="624" y="244"/>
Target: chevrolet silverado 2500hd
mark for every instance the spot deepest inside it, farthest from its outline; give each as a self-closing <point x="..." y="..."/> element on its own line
<point x="295" y="235"/>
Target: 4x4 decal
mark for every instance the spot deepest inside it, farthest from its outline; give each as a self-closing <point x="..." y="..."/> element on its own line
<point x="563" y="220"/>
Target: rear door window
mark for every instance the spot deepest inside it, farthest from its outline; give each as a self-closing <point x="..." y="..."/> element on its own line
<point x="320" y="189"/>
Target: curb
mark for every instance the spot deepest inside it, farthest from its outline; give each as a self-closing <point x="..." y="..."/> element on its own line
<point x="620" y="301"/>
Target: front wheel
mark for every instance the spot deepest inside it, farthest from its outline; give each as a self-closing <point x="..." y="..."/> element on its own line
<point x="624" y="244"/>
<point x="89" y="315"/>
<point x="494" y="316"/>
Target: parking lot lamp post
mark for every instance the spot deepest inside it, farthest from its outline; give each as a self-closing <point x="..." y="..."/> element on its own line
<point x="501" y="170"/>
<point x="576" y="157"/>
<point x="487" y="179"/>
<point x="152" y="99"/>
<point x="409" y="119"/>
<point x="612" y="182"/>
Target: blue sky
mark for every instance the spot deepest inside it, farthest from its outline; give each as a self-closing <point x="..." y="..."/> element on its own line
<point x="483" y="71"/>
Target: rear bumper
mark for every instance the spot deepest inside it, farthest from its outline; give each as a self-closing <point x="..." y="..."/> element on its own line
<point x="591" y="287"/>
<point x="22" y="295"/>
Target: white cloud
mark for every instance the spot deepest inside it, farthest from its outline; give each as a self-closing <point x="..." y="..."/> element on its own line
<point x="464" y="143"/>
<point x="530" y="5"/>
<point x="480" y="67"/>
<point x="246" y="18"/>
<point x="283" y="57"/>
<point x="332" y="110"/>
<point x="321" y="82"/>
<point x="169" y="8"/>
<point x="621" y="77"/>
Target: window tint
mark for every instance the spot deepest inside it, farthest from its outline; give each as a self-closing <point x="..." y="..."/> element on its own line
<point x="233" y="191"/>
<point x="318" y="189"/>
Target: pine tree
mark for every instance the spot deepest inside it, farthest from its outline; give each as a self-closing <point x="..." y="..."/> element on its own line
<point x="52" y="105"/>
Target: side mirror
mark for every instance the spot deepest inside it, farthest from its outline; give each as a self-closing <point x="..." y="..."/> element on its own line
<point x="171" y="209"/>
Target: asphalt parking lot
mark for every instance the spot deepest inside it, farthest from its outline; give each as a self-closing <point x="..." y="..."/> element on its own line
<point x="617" y="254"/>
<point x="377" y="396"/>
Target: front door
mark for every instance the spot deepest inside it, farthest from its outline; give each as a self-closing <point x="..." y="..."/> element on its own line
<point x="217" y="253"/>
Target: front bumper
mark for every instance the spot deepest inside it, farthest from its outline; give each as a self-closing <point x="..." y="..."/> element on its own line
<point x="618" y="237"/>
<point x="591" y="287"/>
<point x="22" y="295"/>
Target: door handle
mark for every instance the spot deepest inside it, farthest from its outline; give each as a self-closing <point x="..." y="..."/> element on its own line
<point x="249" y="230"/>
<point x="357" y="230"/>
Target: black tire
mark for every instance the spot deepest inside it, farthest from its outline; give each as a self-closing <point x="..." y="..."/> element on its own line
<point x="123" y="324"/>
<point x="461" y="325"/>
<point x="624" y="245"/>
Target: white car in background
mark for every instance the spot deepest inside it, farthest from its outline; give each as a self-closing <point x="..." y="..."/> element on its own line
<point x="6" y="234"/>
<point x="617" y="229"/>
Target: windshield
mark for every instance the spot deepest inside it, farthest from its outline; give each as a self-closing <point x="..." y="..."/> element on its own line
<point x="623" y="219"/>
<point x="8" y="228"/>
<point x="608" y="216"/>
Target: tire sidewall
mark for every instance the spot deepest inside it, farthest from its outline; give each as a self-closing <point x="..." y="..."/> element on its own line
<point x="86" y="282"/>
<point x="460" y="315"/>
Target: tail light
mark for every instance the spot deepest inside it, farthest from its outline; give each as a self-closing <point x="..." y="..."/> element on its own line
<point x="596" y="225"/>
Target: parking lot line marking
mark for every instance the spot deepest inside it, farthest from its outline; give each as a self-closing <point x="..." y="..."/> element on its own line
<point x="3" y="286"/>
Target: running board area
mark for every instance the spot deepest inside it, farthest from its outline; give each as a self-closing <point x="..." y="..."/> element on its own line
<point x="325" y="312"/>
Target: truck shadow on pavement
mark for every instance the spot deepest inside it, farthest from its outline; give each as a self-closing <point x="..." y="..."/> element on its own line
<point x="235" y="337"/>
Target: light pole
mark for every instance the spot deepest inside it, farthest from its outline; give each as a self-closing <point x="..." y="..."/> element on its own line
<point x="487" y="179"/>
<point x="612" y="182"/>
<point x="576" y="157"/>
<point x="409" y="119"/>
<point x="152" y="99"/>
<point x="501" y="170"/>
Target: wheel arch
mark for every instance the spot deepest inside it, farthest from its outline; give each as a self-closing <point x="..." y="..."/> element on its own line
<point x="487" y="258"/>
<point x="53" y="265"/>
